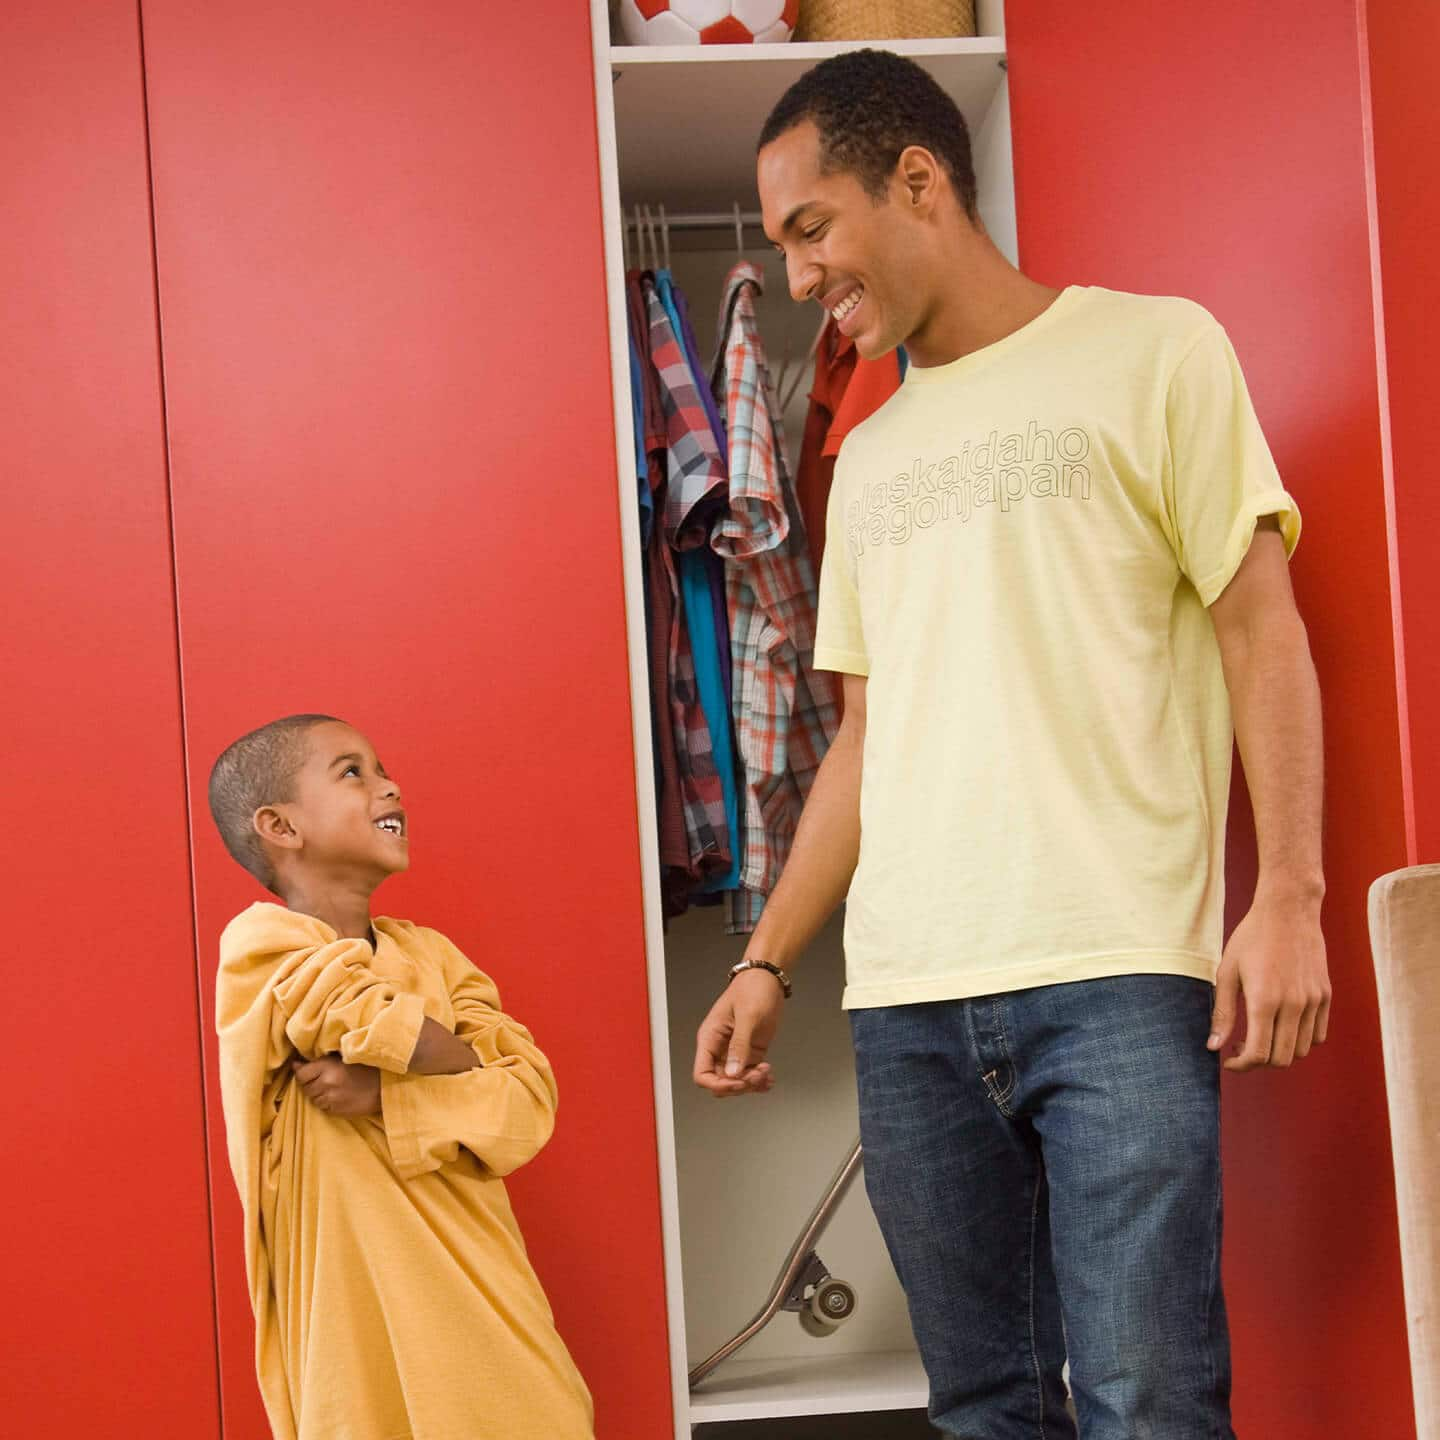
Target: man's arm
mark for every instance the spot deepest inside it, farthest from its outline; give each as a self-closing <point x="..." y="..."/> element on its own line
<point x="1276" y="956"/>
<point x="736" y="1035"/>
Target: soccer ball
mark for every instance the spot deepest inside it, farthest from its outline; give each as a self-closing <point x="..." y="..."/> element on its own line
<point x="707" y="22"/>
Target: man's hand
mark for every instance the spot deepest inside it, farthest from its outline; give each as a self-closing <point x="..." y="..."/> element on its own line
<point x="736" y="1035"/>
<point x="1276" y="959"/>
<point x="337" y="1088"/>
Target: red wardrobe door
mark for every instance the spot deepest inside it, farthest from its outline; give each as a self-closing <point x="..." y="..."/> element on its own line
<point x="1155" y="150"/>
<point x="388" y="380"/>
<point x="1403" y="42"/>
<point x="108" y="1321"/>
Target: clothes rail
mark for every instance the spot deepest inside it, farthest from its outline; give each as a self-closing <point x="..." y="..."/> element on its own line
<point x="703" y="220"/>
<point x="654" y="227"/>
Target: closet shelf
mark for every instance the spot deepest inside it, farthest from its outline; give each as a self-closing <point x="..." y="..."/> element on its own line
<point x="801" y="52"/>
<point x="690" y="144"/>
<point x="812" y="1385"/>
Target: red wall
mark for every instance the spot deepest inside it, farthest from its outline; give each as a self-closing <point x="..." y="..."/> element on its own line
<point x="388" y="382"/>
<point x="108" y="1324"/>
<point x="1403" y="43"/>
<point x="394" y="498"/>
<point x="1157" y="151"/>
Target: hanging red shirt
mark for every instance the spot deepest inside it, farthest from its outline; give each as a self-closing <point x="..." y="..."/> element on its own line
<point x="846" y="390"/>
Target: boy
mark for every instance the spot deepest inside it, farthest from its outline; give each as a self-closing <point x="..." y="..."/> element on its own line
<point x="374" y="1095"/>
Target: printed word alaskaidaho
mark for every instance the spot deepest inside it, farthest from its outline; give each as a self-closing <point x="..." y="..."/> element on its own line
<point x="1002" y="470"/>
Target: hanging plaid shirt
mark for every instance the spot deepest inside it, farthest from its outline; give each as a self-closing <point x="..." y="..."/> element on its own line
<point x="676" y="863"/>
<point x="695" y="487"/>
<point x="786" y="713"/>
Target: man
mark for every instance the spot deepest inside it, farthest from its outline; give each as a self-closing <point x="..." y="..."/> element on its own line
<point x="1056" y="569"/>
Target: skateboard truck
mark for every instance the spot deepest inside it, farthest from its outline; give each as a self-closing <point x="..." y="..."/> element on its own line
<point x="803" y="1285"/>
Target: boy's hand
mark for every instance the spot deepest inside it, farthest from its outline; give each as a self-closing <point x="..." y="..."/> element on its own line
<point x="337" y="1088"/>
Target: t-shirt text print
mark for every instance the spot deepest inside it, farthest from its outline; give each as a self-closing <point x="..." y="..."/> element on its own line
<point x="1001" y="470"/>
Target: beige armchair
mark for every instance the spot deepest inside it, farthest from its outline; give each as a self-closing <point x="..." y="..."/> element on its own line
<point x="1405" y="938"/>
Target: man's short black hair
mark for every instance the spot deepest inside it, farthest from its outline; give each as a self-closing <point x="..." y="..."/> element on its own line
<point x="868" y="106"/>
<point x="258" y="769"/>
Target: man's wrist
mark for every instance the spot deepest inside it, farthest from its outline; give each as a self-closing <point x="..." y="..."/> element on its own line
<point x="751" y="963"/>
<point x="1299" y="888"/>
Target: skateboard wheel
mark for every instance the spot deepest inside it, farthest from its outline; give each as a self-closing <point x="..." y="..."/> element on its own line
<point x="812" y="1325"/>
<point x="832" y="1303"/>
<point x="834" y="1300"/>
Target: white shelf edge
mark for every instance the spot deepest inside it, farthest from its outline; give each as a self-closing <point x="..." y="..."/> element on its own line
<point x="835" y="1385"/>
<point x="814" y="51"/>
<point x="660" y="1059"/>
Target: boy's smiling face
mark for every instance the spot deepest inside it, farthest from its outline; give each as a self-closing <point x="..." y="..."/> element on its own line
<point x="346" y="819"/>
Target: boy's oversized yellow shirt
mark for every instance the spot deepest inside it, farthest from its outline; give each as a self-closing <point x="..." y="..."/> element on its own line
<point x="393" y="1299"/>
<point x="1023" y="545"/>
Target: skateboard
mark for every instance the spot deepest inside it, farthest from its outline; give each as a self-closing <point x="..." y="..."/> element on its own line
<point x="803" y="1285"/>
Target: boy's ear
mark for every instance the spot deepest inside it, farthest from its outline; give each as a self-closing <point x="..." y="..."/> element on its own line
<point x="273" y="827"/>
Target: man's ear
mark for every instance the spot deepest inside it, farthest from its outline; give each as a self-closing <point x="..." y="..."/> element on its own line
<point x="273" y="826"/>
<point x="919" y="175"/>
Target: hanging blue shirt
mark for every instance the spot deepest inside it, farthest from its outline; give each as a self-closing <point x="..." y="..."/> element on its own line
<point x="642" y="464"/>
<point x="696" y="569"/>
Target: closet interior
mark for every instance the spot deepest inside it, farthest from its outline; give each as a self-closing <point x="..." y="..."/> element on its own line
<point x="677" y="129"/>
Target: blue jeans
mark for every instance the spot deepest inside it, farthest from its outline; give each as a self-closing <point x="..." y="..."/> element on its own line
<point x="1045" y="1168"/>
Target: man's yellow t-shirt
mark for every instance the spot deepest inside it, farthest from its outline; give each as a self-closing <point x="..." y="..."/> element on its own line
<point x="1021" y="548"/>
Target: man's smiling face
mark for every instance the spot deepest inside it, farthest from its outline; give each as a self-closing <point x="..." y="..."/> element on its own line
<point x="854" y="255"/>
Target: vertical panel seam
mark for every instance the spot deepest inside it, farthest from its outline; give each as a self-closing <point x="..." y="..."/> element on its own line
<point x="1387" y="454"/>
<point x="184" y="725"/>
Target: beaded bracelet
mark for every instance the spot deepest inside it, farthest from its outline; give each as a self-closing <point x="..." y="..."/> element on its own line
<point x="775" y="970"/>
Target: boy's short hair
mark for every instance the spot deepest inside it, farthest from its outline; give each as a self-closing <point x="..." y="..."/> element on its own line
<point x="868" y="106"/>
<point x="258" y="769"/>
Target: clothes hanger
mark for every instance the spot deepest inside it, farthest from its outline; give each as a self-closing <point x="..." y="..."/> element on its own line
<point x="739" y="234"/>
<point x="794" y="382"/>
<point x="665" y="235"/>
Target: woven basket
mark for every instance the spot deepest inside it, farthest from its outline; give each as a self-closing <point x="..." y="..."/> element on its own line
<point x="884" y="19"/>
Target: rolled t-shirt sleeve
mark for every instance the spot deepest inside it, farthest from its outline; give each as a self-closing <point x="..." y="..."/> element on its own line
<point x="1221" y="478"/>
<point x="839" y="632"/>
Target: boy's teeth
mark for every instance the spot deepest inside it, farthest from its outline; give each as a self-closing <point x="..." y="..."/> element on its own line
<point x="848" y="303"/>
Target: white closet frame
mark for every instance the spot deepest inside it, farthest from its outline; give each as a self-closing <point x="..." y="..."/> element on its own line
<point x="974" y="68"/>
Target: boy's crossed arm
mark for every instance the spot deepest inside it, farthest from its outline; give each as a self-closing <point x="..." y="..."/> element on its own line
<point x="487" y="1087"/>
<point x="311" y="992"/>
<point x="340" y="1016"/>
<point x="502" y="1110"/>
<point x="340" y="1088"/>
